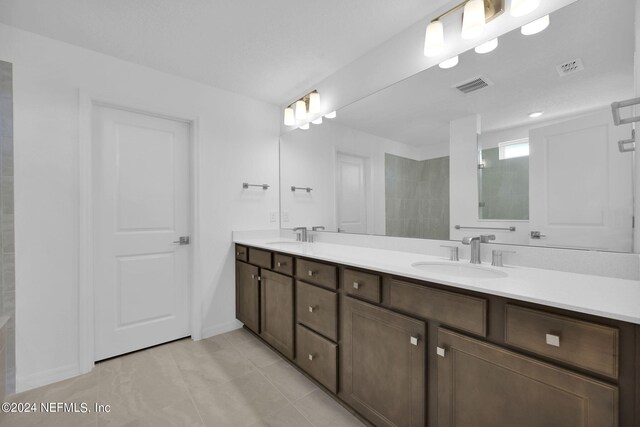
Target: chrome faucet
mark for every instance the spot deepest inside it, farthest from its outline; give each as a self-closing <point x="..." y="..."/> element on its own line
<point x="474" y="242"/>
<point x="301" y="233"/>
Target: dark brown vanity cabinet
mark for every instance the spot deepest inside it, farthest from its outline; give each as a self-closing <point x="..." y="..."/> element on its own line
<point x="276" y="307"/>
<point x="404" y="352"/>
<point x="248" y="295"/>
<point x="383" y="364"/>
<point x="480" y="384"/>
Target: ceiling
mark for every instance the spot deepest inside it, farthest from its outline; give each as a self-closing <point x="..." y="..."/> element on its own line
<point x="269" y="50"/>
<point x="418" y="110"/>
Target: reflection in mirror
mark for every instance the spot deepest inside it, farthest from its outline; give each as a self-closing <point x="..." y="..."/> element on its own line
<point x="518" y="142"/>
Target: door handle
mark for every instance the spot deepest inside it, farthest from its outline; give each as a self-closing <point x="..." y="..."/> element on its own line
<point x="184" y="240"/>
<point x="537" y="235"/>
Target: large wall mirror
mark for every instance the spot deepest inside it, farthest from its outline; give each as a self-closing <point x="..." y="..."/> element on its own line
<point x="519" y="142"/>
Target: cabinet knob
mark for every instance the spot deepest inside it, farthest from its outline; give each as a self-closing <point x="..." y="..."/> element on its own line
<point x="311" y="309"/>
<point x="253" y="276"/>
<point x="413" y="340"/>
<point x="440" y="351"/>
<point x="553" y="340"/>
<point x="280" y="264"/>
<point x="311" y="357"/>
<point x="356" y="285"/>
<point x="311" y="273"/>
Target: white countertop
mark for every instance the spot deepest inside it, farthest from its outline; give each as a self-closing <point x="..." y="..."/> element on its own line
<point x="600" y="296"/>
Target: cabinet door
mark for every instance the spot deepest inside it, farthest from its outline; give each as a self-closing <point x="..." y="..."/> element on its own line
<point x="480" y="384"/>
<point x="248" y="295"/>
<point x="383" y="364"/>
<point x="277" y="311"/>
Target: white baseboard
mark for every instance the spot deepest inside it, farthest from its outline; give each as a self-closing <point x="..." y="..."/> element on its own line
<point x="39" y="379"/>
<point x="221" y="328"/>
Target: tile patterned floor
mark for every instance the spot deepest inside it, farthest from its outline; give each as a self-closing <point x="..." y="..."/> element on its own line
<point x="227" y="380"/>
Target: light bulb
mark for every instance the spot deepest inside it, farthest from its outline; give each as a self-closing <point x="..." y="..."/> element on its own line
<point x="305" y="126"/>
<point x="289" y="119"/>
<point x="536" y="114"/>
<point x="317" y="121"/>
<point x="487" y="46"/>
<point x="449" y="63"/>
<point x="536" y="26"/>
<point x="434" y="39"/>
<point x="473" y="19"/>
<point x="523" y="7"/>
<point x="301" y="111"/>
<point x="331" y="115"/>
<point x="314" y="103"/>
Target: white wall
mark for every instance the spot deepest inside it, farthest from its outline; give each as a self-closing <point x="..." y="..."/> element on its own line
<point x="238" y="142"/>
<point x="307" y="159"/>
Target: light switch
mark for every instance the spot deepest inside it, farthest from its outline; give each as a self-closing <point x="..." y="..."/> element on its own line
<point x="285" y="216"/>
<point x="273" y="216"/>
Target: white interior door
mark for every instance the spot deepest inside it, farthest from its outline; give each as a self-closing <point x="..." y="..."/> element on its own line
<point x="141" y="206"/>
<point x="580" y="185"/>
<point x="351" y="193"/>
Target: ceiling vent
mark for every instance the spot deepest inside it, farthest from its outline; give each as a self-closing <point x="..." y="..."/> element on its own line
<point x="473" y="85"/>
<point x="570" y="67"/>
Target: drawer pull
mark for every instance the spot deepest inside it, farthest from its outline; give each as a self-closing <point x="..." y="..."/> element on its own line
<point x="280" y="264"/>
<point x="356" y="285"/>
<point x="311" y="273"/>
<point x="414" y="340"/>
<point x="311" y="309"/>
<point x="553" y="340"/>
<point x="311" y="357"/>
<point x="440" y="351"/>
<point x="253" y="276"/>
<point x="240" y="253"/>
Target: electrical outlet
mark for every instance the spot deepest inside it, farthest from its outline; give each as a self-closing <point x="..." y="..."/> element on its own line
<point x="273" y="216"/>
<point x="285" y="216"/>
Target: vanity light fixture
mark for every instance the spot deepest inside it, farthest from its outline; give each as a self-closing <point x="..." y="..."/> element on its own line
<point x="434" y="39"/>
<point x="289" y="117"/>
<point x="536" y="114"/>
<point x="304" y="110"/>
<point x="449" y="63"/>
<point x="487" y="47"/>
<point x="473" y="19"/>
<point x="331" y="115"/>
<point x="301" y="111"/>
<point x="536" y="26"/>
<point x="476" y="13"/>
<point x="523" y="7"/>
<point x="314" y="103"/>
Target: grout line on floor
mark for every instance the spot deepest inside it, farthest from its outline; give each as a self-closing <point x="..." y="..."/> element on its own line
<point x="186" y="384"/>
<point x="280" y="359"/>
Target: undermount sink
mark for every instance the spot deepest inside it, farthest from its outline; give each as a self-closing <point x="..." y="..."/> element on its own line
<point x="285" y="244"/>
<point x="460" y="270"/>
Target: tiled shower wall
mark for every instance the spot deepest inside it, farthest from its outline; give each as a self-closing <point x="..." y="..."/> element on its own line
<point x="417" y="197"/>
<point x="504" y="187"/>
<point x="7" y="260"/>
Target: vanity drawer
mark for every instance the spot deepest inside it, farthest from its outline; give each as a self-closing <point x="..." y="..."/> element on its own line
<point x="317" y="309"/>
<point x="283" y="264"/>
<point x="318" y="357"/>
<point x="362" y="285"/>
<point x="241" y="252"/>
<point x="583" y="344"/>
<point x="317" y="273"/>
<point x="260" y="258"/>
<point x="459" y="311"/>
